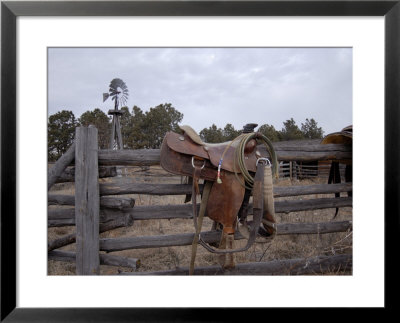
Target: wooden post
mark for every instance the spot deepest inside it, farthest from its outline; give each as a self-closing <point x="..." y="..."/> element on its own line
<point x="290" y="169"/>
<point x="87" y="201"/>
<point x="112" y="138"/>
<point x="116" y="137"/>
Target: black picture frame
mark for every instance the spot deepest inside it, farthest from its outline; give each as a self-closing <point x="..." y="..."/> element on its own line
<point x="10" y="10"/>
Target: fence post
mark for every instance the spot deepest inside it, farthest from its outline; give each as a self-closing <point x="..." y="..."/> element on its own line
<point x="87" y="201"/>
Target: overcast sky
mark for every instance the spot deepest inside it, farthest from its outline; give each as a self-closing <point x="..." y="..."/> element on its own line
<point x="210" y="85"/>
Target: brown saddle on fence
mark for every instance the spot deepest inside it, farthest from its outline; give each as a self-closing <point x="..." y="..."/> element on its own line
<point x="218" y="165"/>
<point x="345" y="136"/>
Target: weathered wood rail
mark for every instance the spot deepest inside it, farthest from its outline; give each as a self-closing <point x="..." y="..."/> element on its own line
<point x="185" y="239"/>
<point x="109" y="260"/>
<point x="182" y="189"/>
<point x="99" y="207"/>
<point x="284" y="151"/>
<point x="301" y="266"/>
<point x="68" y="174"/>
<point x="66" y="217"/>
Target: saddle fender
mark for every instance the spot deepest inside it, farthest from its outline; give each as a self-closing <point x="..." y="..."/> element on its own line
<point x="225" y="201"/>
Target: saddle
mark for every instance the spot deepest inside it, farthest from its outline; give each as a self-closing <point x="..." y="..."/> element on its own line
<point x="227" y="169"/>
<point x="345" y="136"/>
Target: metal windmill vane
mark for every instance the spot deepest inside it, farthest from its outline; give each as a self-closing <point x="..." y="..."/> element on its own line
<point x="118" y="91"/>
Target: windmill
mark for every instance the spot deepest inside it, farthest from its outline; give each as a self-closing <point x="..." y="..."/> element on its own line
<point x="118" y="91"/>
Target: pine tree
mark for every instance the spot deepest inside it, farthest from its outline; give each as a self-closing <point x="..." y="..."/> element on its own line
<point x="311" y="130"/>
<point x="60" y="133"/>
<point x="102" y="122"/>
<point x="291" y="131"/>
<point x="269" y="131"/>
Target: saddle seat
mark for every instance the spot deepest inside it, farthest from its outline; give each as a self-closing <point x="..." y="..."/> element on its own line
<point x="214" y="148"/>
<point x="192" y="134"/>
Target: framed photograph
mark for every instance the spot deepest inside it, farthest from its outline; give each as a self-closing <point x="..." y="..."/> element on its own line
<point x="38" y="35"/>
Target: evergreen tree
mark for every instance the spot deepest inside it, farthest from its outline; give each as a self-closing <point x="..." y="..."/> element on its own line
<point x="137" y="136"/>
<point x="269" y="131"/>
<point x="230" y="133"/>
<point x="102" y="122"/>
<point x="311" y="130"/>
<point x="60" y="133"/>
<point x="291" y="131"/>
<point x="212" y="134"/>
<point x="126" y="127"/>
<point x="148" y="129"/>
<point x="158" y="121"/>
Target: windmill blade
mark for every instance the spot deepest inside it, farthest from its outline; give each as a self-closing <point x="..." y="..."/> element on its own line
<point x="116" y="83"/>
<point x="114" y="92"/>
<point x="123" y="86"/>
<point x="119" y="91"/>
<point x="122" y="101"/>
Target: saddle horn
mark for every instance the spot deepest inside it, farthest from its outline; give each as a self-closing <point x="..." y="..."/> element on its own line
<point x="249" y="127"/>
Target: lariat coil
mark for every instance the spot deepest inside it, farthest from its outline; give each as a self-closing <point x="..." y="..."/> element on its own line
<point x="239" y="159"/>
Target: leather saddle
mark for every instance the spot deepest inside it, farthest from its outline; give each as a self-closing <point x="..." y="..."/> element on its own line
<point x="228" y="199"/>
<point x="345" y="136"/>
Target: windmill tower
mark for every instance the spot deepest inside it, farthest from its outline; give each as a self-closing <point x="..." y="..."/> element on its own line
<point x="118" y="91"/>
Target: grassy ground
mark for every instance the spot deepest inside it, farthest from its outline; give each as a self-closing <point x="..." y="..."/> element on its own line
<point x="282" y="247"/>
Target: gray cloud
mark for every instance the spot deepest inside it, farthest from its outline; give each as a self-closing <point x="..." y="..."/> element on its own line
<point x="210" y="85"/>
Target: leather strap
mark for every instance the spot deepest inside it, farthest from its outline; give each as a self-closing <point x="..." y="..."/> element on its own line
<point x="198" y="221"/>
<point x="257" y="215"/>
<point x="334" y="177"/>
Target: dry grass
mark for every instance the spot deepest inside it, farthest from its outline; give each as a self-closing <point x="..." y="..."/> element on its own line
<point x="154" y="259"/>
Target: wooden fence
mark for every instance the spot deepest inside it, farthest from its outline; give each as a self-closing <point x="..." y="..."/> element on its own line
<point x="99" y="207"/>
<point x="299" y="170"/>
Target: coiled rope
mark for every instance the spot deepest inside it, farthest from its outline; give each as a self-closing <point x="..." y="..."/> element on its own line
<point x="240" y="157"/>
